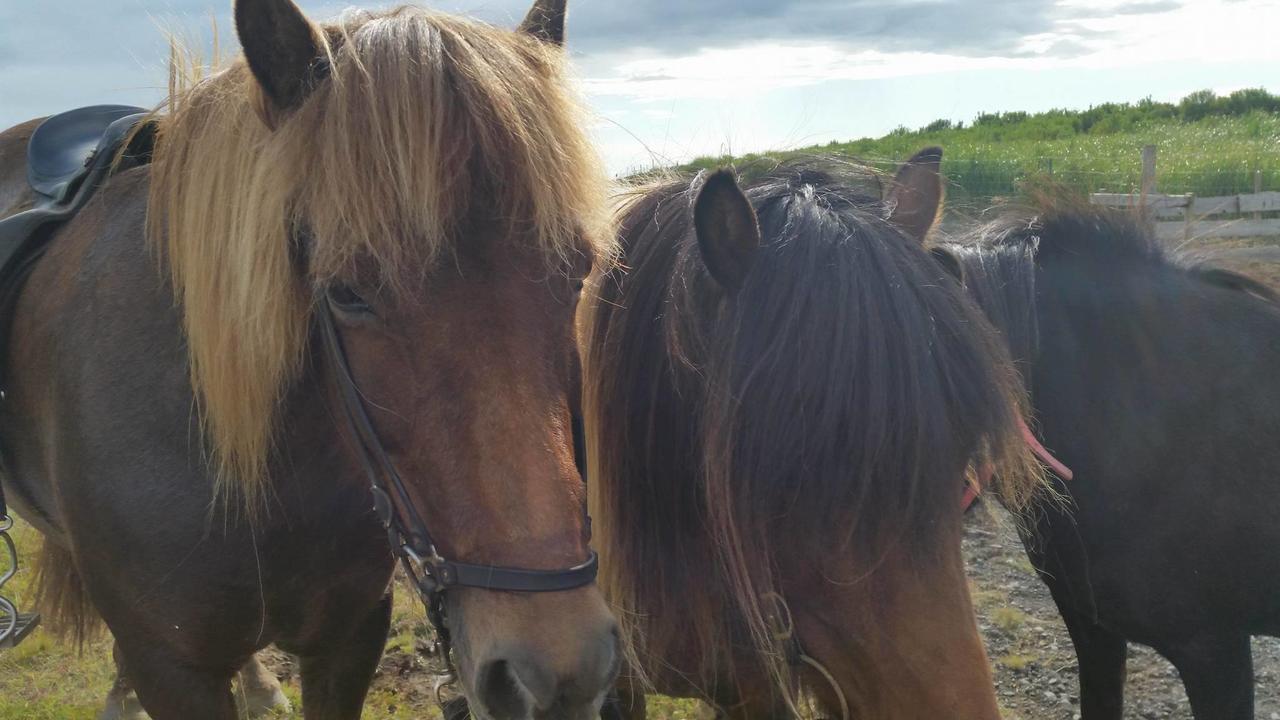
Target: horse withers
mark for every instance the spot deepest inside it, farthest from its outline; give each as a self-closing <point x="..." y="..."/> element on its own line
<point x="782" y="402"/>
<point x="354" y="260"/>
<point x="1153" y="377"/>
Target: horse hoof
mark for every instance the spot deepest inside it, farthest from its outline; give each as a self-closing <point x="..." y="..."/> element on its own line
<point x="124" y="708"/>
<point x="262" y="704"/>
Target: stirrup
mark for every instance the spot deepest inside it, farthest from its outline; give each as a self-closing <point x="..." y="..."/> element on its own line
<point x="14" y="626"/>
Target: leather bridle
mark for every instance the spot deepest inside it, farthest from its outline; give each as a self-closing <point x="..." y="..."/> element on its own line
<point x="411" y="542"/>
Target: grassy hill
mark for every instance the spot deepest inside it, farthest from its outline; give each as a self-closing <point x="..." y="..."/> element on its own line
<point x="1208" y="145"/>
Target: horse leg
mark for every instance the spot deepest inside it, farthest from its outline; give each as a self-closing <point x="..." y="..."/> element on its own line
<point x="1100" y="654"/>
<point x="260" y="691"/>
<point x="334" y="684"/>
<point x="122" y="701"/>
<point x="1217" y="672"/>
<point x="172" y="690"/>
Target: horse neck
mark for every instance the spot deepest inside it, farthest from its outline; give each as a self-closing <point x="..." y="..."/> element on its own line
<point x="1126" y="353"/>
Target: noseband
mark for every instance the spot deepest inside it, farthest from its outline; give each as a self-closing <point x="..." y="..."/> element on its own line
<point x="410" y="540"/>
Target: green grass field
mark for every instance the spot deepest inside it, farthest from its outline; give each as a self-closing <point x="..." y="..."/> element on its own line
<point x="43" y="678"/>
<point x="1097" y="150"/>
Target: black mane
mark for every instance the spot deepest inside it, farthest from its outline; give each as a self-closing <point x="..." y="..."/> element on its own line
<point x="1103" y="250"/>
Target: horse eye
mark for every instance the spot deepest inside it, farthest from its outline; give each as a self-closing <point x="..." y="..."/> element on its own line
<point x="344" y="298"/>
<point x="578" y="285"/>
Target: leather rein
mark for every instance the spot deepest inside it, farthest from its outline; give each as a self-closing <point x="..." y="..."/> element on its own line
<point x="410" y="540"/>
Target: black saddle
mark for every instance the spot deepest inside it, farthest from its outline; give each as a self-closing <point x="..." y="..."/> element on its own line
<point x="68" y="156"/>
<point x="64" y="146"/>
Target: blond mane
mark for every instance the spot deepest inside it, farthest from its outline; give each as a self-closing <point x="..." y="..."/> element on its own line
<point x="421" y="113"/>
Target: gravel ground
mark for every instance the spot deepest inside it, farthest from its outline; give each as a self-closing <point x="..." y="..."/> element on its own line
<point x="1031" y="652"/>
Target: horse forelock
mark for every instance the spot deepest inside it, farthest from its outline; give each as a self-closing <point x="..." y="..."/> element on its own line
<point x="821" y="409"/>
<point x="425" y="125"/>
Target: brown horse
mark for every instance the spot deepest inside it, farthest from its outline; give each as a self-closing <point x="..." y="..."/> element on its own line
<point x="783" y="394"/>
<point x="411" y="187"/>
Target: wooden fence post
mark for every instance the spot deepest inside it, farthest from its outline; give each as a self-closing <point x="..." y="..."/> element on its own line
<point x="1257" y="190"/>
<point x="1148" y="170"/>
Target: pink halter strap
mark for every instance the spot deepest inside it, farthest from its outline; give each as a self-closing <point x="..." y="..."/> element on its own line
<point x="984" y="475"/>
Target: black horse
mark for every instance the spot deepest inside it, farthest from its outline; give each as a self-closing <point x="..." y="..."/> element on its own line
<point x="1155" y="379"/>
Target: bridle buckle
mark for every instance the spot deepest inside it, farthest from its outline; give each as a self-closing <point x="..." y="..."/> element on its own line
<point x="431" y="572"/>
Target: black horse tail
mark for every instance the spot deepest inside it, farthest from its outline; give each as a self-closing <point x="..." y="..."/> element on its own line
<point x="60" y="595"/>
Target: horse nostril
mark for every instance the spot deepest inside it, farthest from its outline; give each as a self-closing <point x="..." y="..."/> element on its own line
<point x="596" y="672"/>
<point x="522" y="684"/>
<point x="501" y="692"/>
<point x="608" y="659"/>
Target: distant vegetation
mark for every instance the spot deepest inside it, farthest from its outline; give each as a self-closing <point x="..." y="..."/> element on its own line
<point x="1208" y="145"/>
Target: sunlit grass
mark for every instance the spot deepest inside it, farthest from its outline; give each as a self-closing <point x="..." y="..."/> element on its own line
<point x="1016" y="661"/>
<point x="44" y="679"/>
<point x="1009" y="619"/>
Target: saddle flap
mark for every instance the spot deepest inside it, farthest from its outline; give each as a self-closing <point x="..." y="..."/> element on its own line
<point x="62" y="147"/>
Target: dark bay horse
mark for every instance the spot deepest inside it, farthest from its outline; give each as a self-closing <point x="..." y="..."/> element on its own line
<point x="1154" y="379"/>
<point x="782" y="397"/>
<point x="409" y="192"/>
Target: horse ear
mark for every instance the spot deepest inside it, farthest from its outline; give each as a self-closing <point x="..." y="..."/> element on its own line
<point x="727" y="230"/>
<point x="282" y="48"/>
<point x="545" y="21"/>
<point x="950" y="263"/>
<point x="915" y="197"/>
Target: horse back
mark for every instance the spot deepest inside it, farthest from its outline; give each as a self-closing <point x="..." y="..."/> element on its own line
<point x="15" y="193"/>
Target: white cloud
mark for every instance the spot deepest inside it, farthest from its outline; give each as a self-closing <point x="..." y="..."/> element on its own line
<point x="1094" y="35"/>
<point x="731" y="72"/>
<point x="1204" y="30"/>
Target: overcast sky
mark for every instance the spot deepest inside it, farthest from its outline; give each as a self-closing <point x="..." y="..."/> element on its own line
<point x="670" y="79"/>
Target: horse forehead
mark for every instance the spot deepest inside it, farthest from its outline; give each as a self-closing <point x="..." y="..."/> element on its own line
<point x="497" y="260"/>
<point x="500" y="295"/>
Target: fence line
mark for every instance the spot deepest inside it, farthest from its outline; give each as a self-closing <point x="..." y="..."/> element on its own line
<point x="979" y="180"/>
<point x="1195" y="211"/>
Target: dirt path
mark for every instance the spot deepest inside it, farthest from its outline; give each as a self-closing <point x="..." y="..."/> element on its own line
<point x="1031" y="652"/>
